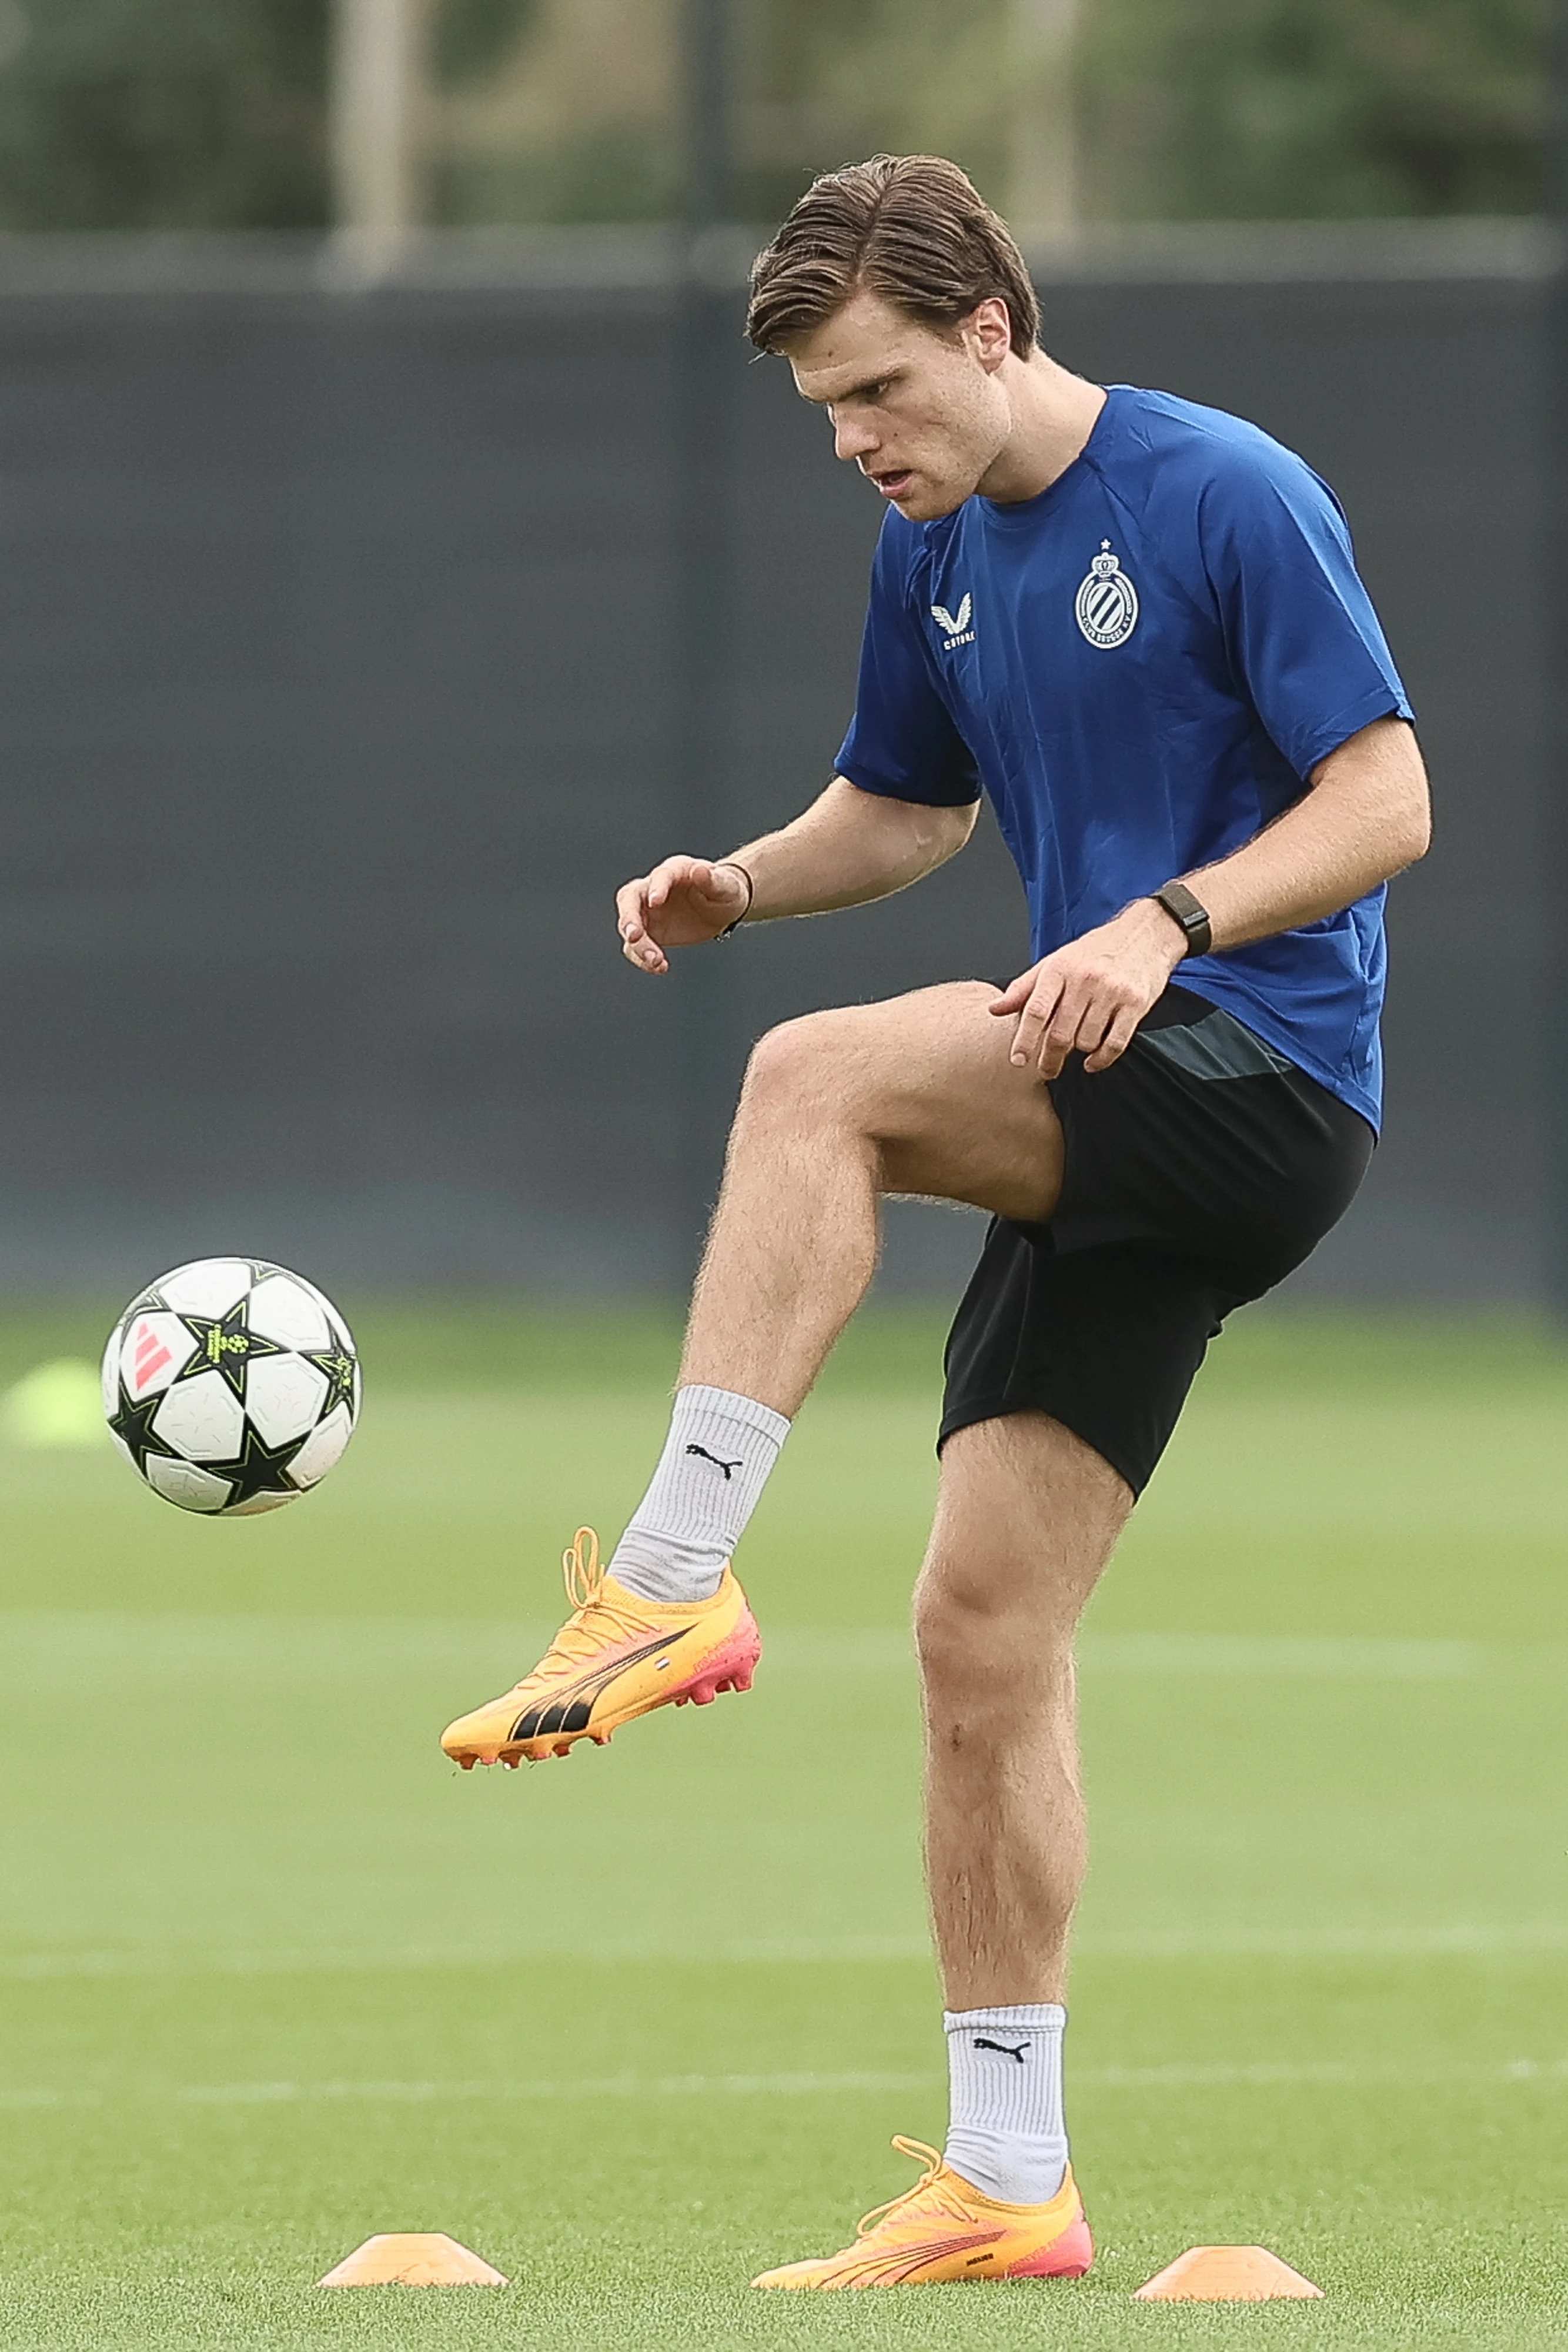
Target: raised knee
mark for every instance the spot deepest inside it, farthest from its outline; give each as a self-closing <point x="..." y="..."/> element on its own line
<point x="794" y="1064"/>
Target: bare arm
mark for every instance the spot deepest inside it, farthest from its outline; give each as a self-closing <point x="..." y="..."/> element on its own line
<point x="847" y="848"/>
<point x="1365" y="817"/>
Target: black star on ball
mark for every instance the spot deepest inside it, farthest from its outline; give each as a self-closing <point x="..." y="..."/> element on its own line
<point x="133" y="1424"/>
<point x="336" y="1366"/>
<point x="257" y="1469"/>
<point x="227" y="1345"/>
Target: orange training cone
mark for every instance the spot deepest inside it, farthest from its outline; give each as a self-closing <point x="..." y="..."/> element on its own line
<point x="411" y="2258"/>
<point x="1226" y="2274"/>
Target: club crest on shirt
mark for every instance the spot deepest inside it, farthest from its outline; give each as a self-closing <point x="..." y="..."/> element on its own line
<point x="1106" y="607"/>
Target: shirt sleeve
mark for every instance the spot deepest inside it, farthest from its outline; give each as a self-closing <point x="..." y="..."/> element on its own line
<point x="902" y="741"/>
<point x="1300" y="626"/>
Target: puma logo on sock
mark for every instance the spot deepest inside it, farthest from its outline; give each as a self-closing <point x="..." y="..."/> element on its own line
<point x="1003" y="2049"/>
<point x="727" y="1467"/>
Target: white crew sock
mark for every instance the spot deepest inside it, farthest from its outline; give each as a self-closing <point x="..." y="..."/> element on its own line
<point x="710" y="1476"/>
<point x="1005" y="2132"/>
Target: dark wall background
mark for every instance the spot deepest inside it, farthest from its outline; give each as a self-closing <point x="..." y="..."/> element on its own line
<point x="335" y="638"/>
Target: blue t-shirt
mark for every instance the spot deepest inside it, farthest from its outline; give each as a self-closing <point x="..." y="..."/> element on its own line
<point x="1141" y="667"/>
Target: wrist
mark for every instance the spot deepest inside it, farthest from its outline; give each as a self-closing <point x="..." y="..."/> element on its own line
<point x="1158" y="931"/>
<point x="735" y="866"/>
<point x="1163" y="926"/>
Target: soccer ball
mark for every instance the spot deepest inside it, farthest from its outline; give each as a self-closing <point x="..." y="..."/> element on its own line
<point x="231" y="1385"/>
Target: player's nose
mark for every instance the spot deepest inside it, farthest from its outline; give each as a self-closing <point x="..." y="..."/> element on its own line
<point x="852" y="441"/>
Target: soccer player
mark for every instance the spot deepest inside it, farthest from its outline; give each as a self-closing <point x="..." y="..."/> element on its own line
<point x="1136" y="625"/>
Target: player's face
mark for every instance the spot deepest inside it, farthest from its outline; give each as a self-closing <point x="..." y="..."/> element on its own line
<point x="923" y="415"/>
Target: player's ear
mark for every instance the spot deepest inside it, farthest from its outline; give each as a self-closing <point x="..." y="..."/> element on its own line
<point x="988" y="332"/>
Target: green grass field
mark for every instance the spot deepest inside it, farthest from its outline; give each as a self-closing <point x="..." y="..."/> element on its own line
<point x="634" y="2025"/>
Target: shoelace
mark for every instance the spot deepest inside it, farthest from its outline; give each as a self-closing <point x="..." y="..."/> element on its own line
<point x="583" y="1576"/>
<point x="947" y="2199"/>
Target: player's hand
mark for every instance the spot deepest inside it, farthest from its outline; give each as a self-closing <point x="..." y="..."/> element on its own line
<point x="1088" y="997"/>
<point x="681" y="902"/>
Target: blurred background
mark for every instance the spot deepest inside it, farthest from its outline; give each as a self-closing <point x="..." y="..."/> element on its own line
<point x="401" y="547"/>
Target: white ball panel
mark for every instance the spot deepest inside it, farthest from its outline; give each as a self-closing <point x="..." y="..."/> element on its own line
<point x="183" y="1483"/>
<point x="257" y="1502"/>
<point x="322" y="1448"/>
<point x="108" y="1376"/>
<point x="202" y="1419"/>
<point x="338" y="1327"/>
<point x="285" y="1309"/>
<point x="283" y="1395"/>
<point x="155" y="1348"/>
<point x="209" y="1286"/>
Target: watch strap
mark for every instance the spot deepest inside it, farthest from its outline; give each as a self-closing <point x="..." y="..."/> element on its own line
<point x="1189" y="913"/>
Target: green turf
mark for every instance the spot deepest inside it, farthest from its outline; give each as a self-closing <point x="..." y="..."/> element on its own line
<point x="275" y="1976"/>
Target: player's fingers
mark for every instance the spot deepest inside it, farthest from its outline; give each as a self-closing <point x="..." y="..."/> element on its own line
<point x="1060" y="1033"/>
<point x="1038" y="1008"/>
<point x="1095" y="1020"/>
<point x="1123" y="1028"/>
<point x="1014" y="996"/>
<point x="1030" y="1027"/>
<point x="631" y="907"/>
<point x="632" y="921"/>
<point x="645" y="955"/>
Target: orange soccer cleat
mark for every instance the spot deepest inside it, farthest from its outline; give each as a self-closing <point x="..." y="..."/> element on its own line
<point x="943" y="2229"/>
<point x="616" y="1657"/>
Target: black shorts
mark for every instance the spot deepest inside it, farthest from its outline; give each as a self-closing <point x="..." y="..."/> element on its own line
<point x="1201" y="1168"/>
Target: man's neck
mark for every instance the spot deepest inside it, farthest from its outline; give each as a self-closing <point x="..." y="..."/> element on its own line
<point x="1054" y="413"/>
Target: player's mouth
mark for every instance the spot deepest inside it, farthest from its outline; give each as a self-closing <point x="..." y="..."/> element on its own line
<point x="896" y="485"/>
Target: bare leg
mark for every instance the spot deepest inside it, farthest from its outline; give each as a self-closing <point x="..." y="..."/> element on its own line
<point x="1027" y="1518"/>
<point x="839" y="1109"/>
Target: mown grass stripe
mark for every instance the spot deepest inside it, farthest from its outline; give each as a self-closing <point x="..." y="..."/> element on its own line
<point x="1258" y="2074"/>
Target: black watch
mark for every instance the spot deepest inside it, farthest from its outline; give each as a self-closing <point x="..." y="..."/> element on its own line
<point x="1189" y="914"/>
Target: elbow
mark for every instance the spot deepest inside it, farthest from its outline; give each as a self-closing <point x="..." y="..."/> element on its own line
<point x="1404" y="828"/>
<point x="1415" y="839"/>
<point x="1401" y="847"/>
<point x="945" y="832"/>
<point x="1417" y="827"/>
<point x="961" y="825"/>
<point x="1384" y="770"/>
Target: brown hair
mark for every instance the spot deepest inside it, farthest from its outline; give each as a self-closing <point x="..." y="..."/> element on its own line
<point x="913" y="229"/>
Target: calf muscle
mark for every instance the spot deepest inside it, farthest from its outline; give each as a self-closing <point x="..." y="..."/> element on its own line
<point x="1027" y="1519"/>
